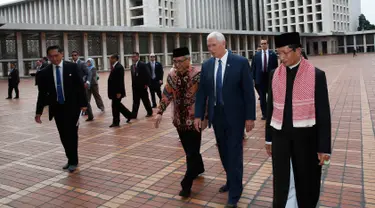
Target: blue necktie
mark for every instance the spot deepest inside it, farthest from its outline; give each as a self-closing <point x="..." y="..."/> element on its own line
<point x="219" y="85"/>
<point x="60" y="96"/>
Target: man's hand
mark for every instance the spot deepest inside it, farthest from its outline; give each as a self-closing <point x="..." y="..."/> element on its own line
<point x="160" y="82"/>
<point x="204" y="124"/>
<point x="86" y="85"/>
<point x="198" y="124"/>
<point x="118" y="95"/>
<point x="249" y="125"/>
<point x="37" y="118"/>
<point x="269" y="149"/>
<point x="84" y="109"/>
<point x="323" y="157"/>
<point x="158" y="120"/>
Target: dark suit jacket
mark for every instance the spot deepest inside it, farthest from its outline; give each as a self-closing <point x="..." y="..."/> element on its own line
<point x="44" y="65"/>
<point x="238" y="91"/>
<point x="74" y="91"/>
<point x="14" y="78"/>
<point x="159" y="72"/>
<point x="116" y="82"/>
<point x="94" y="74"/>
<point x="257" y="66"/>
<point x="140" y="75"/>
<point x="83" y="71"/>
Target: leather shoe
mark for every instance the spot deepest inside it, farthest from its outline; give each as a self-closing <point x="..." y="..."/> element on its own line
<point x="231" y="206"/>
<point x="8" y="98"/>
<point x="185" y="193"/>
<point x="148" y="115"/>
<point x="72" y="168"/>
<point x="200" y="172"/>
<point x="114" y="125"/>
<point x="224" y="189"/>
<point x="128" y="121"/>
<point x="65" y="167"/>
<point x="264" y="118"/>
<point x="16" y="98"/>
<point x="90" y="119"/>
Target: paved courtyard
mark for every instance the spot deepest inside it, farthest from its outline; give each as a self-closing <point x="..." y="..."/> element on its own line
<point x="139" y="166"/>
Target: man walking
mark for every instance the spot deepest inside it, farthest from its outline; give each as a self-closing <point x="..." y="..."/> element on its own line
<point x="116" y="91"/>
<point x="61" y="88"/>
<point x="157" y="74"/>
<point x="181" y="87"/>
<point x="141" y="79"/>
<point x="13" y="81"/>
<point x="298" y="126"/>
<point x="264" y="62"/>
<point x="227" y="84"/>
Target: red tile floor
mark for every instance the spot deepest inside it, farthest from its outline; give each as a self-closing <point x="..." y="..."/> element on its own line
<point x="139" y="166"/>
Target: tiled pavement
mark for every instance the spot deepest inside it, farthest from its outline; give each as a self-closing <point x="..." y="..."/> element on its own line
<point x="139" y="166"/>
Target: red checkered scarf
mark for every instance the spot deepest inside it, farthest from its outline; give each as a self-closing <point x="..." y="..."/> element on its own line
<point x="303" y="99"/>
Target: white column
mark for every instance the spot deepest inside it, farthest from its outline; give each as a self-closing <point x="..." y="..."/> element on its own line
<point x="177" y="40"/>
<point x="89" y="6"/>
<point x="198" y="14"/>
<point x="247" y="16"/>
<point x="77" y="17"/>
<point x="20" y="54"/>
<point x="122" y="12"/>
<point x="65" y="19"/>
<point x="238" y="44"/>
<point x="345" y="46"/>
<point x="239" y="15"/>
<point x="246" y="46"/>
<point x="104" y="51"/>
<point x="261" y="17"/>
<point x="85" y="45"/>
<point x="127" y="12"/>
<point x="66" y="46"/>
<point x="71" y="11"/>
<point x="54" y="10"/>
<point x="60" y="13"/>
<point x="200" y="43"/>
<point x="40" y="14"/>
<point x="95" y="13"/>
<point x="364" y="43"/>
<point x="229" y="41"/>
<point x="320" y="47"/>
<point x="255" y="16"/>
<point x="233" y="16"/>
<point x="151" y="43"/>
<point x="108" y="14"/>
<point x="165" y="49"/>
<point x="190" y="44"/>
<point x="31" y="14"/>
<point x="253" y="43"/>
<point x="101" y="12"/>
<point x="355" y="42"/>
<point x="121" y="49"/>
<point x="194" y="13"/>
<point x="304" y="43"/>
<point x="114" y="13"/>
<point x="136" y="42"/>
<point x="43" y="44"/>
<point x="311" y="45"/>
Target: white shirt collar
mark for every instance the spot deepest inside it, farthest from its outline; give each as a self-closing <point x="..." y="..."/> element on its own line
<point x="291" y="67"/>
<point x="60" y="64"/>
<point x="224" y="58"/>
<point x="115" y="64"/>
<point x="265" y="51"/>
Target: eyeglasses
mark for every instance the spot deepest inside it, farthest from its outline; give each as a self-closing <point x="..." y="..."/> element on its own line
<point x="74" y="55"/>
<point x="263" y="43"/>
<point x="284" y="53"/>
<point x="179" y="61"/>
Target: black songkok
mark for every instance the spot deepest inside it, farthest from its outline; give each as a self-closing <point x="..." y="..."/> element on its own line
<point x="178" y="52"/>
<point x="286" y="39"/>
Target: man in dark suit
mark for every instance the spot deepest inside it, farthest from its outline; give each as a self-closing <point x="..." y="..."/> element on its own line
<point x="61" y="88"/>
<point x="84" y="73"/>
<point x="141" y="79"/>
<point x="44" y="62"/>
<point x="13" y="81"/>
<point x="116" y="91"/>
<point x="264" y="62"/>
<point x="157" y="74"/>
<point x="227" y="84"/>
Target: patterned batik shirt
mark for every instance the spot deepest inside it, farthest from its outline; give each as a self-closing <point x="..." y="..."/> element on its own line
<point x="181" y="88"/>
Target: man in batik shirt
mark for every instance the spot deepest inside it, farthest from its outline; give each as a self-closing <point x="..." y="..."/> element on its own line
<point x="181" y="87"/>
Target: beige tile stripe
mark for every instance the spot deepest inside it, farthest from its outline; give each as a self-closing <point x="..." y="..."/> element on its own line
<point x="368" y="144"/>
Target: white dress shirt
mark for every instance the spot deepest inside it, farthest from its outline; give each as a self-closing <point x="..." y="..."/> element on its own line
<point x="114" y="64"/>
<point x="268" y="56"/>
<point x="61" y="76"/>
<point x="223" y="67"/>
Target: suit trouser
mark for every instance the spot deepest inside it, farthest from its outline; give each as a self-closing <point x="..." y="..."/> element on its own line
<point x="263" y="90"/>
<point x="155" y="88"/>
<point x="94" y="89"/>
<point x="66" y="118"/>
<point x="191" y="142"/>
<point x="229" y="141"/>
<point x="10" y="90"/>
<point x="117" y="108"/>
<point x="138" y="94"/>
<point x="89" y="109"/>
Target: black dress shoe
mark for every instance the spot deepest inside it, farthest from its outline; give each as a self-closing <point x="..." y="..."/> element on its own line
<point x="148" y="115"/>
<point x="8" y="98"/>
<point x="72" y="168"/>
<point x="16" y="98"/>
<point x="185" y="193"/>
<point x="90" y="119"/>
<point x="231" y="206"/>
<point x="65" y="167"/>
<point x="200" y="172"/>
<point x="128" y="121"/>
<point x="224" y="189"/>
<point x="114" y="125"/>
<point x="264" y="118"/>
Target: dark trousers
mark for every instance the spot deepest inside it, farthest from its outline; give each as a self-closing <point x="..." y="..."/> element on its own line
<point x="138" y="94"/>
<point x="229" y="141"/>
<point x="66" y="121"/>
<point x="263" y="91"/>
<point x="89" y="109"/>
<point x="10" y="90"/>
<point x="94" y="90"/>
<point x="155" y="88"/>
<point x="300" y="146"/>
<point x="117" y="108"/>
<point x="191" y="142"/>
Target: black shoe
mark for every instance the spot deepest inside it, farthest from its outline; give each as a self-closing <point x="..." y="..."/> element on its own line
<point x="148" y="115"/>
<point x="8" y="98"/>
<point x="264" y="118"/>
<point x="114" y="125"/>
<point x="154" y="106"/>
<point x="185" y="193"/>
<point x="231" y="206"/>
<point x="224" y="189"/>
<point x="90" y="119"/>
<point x="65" y="167"/>
<point x="200" y="172"/>
<point x="16" y="98"/>
<point x="128" y="121"/>
<point x="72" y="168"/>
